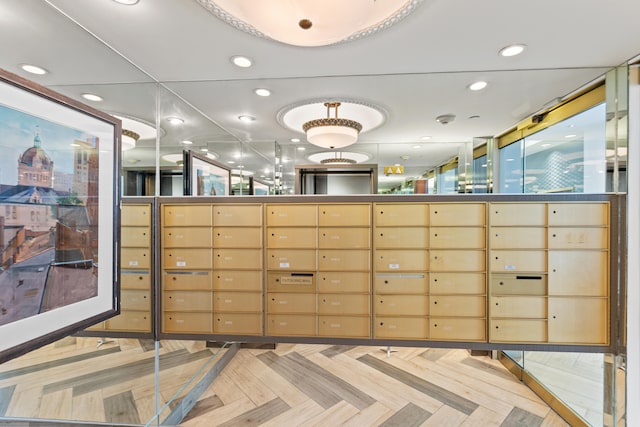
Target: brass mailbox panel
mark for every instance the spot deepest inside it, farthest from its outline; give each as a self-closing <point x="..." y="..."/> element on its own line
<point x="137" y="321"/>
<point x="518" y="238"/>
<point x="457" y="329"/>
<point x="135" y="258"/>
<point x="509" y="214"/>
<point x="291" y="215"/>
<point x="578" y="238"/>
<point x="291" y="324"/>
<point x="457" y="238"/>
<point x="186" y="237"/>
<point x="186" y="301"/>
<point x="237" y="215"/>
<point x="401" y="327"/>
<point x="187" y="215"/>
<point x="344" y="260"/>
<point x="135" y="280"/>
<point x="348" y="281"/>
<point x="344" y="215"/>
<point x="293" y="303"/>
<point x="135" y="300"/>
<point x="518" y="306"/>
<point x="519" y="261"/>
<point x="291" y="282"/>
<point x="291" y="259"/>
<point x="401" y="238"/>
<point x="237" y="237"/>
<point x="457" y="214"/>
<point x="237" y="259"/>
<point x="135" y="215"/>
<point x="401" y="260"/>
<point x="393" y="215"/>
<point x="344" y="238"/>
<point x="457" y="283"/>
<point x="581" y="213"/>
<point x="458" y="306"/>
<point x="196" y="323"/>
<point x="519" y="284"/>
<point x="457" y="260"/>
<point x="238" y="323"/>
<point x="231" y="280"/>
<point x="518" y="330"/>
<point x="133" y="237"/>
<point x="401" y="284"/>
<point x="237" y="302"/>
<point x="187" y="259"/>
<point x="344" y="326"/>
<point x="568" y="323"/>
<point x="291" y="237"/>
<point x="344" y="304"/>
<point x="401" y="305"/>
<point x="583" y="273"/>
<point x="195" y="281"/>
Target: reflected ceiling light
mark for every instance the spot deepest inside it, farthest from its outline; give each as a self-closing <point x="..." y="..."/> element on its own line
<point x="204" y="149"/>
<point x="479" y="85"/>
<point x="127" y="2"/>
<point x="129" y="139"/>
<point x="33" y="69"/>
<point x="262" y="92"/>
<point x="246" y="119"/>
<point x="336" y="157"/>
<point x="173" y="158"/>
<point x="295" y="139"/>
<point x="619" y="152"/>
<point x="301" y="148"/>
<point x="332" y="132"/>
<point x="417" y="147"/>
<point x="310" y="23"/>
<point x="241" y="61"/>
<point x="134" y="130"/>
<point x="211" y="155"/>
<point x="92" y="97"/>
<point x="425" y="138"/>
<point x="512" y="50"/>
<point x="186" y="142"/>
<point x="573" y="135"/>
<point x="175" y="120"/>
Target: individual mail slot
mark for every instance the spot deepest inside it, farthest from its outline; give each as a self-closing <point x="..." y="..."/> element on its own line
<point x="291" y="215"/>
<point x="457" y="329"/>
<point x="401" y="284"/>
<point x="458" y="306"/>
<point x="578" y="320"/>
<point x="456" y="214"/>
<point x="135" y="279"/>
<point x="457" y="238"/>
<point x="291" y="325"/>
<point x="518" y="284"/>
<point x="186" y="237"/>
<point x="187" y="259"/>
<point x="391" y="215"/>
<point x="344" y="238"/>
<point x="529" y="214"/>
<point x="291" y="237"/>
<point x="237" y="323"/>
<point x="291" y="282"/>
<point x="188" y="280"/>
<point x="187" y="215"/>
<point x="518" y="330"/>
<point x="135" y="215"/>
<point x="291" y="303"/>
<point x="578" y="238"/>
<point x="416" y="328"/>
<point x="457" y="260"/>
<point x="344" y="215"/>
<point x="401" y="260"/>
<point x="518" y="306"/>
<point x="291" y="259"/>
<point x="348" y="281"/>
<point x="344" y="326"/>
<point x="506" y="261"/>
<point x="230" y="280"/>
<point x="239" y="302"/>
<point x="578" y="214"/>
<point x="344" y="304"/>
<point x="401" y="305"/>
<point x="401" y="237"/>
<point x="457" y="283"/>
<point x="135" y="237"/>
<point x="135" y="258"/>
<point x="237" y="215"/>
<point x="583" y="273"/>
<point x="237" y="259"/>
<point x="196" y="323"/>
<point x="518" y="238"/>
<point x="135" y="300"/>
<point x="344" y="260"/>
<point x="237" y="237"/>
<point x="186" y="301"/>
<point x="134" y="321"/>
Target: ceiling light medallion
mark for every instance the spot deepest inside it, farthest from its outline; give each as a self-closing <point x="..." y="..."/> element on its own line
<point x="332" y="132"/>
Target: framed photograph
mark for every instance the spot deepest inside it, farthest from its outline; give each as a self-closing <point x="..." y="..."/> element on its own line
<point x="204" y="176"/>
<point x="59" y="215"/>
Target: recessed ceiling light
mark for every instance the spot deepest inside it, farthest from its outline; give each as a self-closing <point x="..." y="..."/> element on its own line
<point x="92" y="97"/>
<point x="231" y="162"/>
<point x="246" y="119"/>
<point x="262" y="92"/>
<point x="479" y="85"/>
<point x="127" y="2"/>
<point x="512" y="50"/>
<point x="187" y="142"/>
<point x="417" y="147"/>
<point x="33" y="69"/>
<point x="425" y="138"/>
<point x="204" y="150"/>
<point x="295" y="139"/>
<point x="175" y="120"/>
<point x="241" y="61"/>
<point x="573" y="135"/>
<point x="301" y="148"/>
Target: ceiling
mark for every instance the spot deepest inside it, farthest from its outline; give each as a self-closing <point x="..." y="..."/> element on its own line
<point x="172" y="58"/>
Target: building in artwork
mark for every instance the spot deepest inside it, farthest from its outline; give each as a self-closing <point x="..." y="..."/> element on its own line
<point x="35" y="167"/>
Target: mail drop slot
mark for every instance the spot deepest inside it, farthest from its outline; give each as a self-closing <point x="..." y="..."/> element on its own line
<point x="187" y="215"/>
<point x="579" y="213"/>
<point x="344" y="326"/>
<point x="344" y="304"/>
<point x="457" y="283"/>
<point x="532" y="307"/>
<point x="187" y="259"/>
<point x="237" y="323"/>
<point x="457" y="214"/>
<point x="344" y="215"/>
<point x="529" y="214"/>
<point x="135" y="215"/>
<point x="401" y="237"/>
<point x="195" y="323"/>
<point x="457" y="329"/>
<point x="237" y="237"/>
<point x="135" y="300"/>
<point x="244" y="215"/>
<point x="401" y="284"/>
<point x="135" y="258"/>
<point x="344" y="260"/>
<point x="291" y="259"/>
<point x="457" y="237"/>
<point x="582" y="273"/>
<point x="291" y="215"/>
<point x="518" y="238"/>
<point x="291" y="282"/>
<point x="401" y="305"/>
<point x="518" y="284"/>
<point x="291" y="325"/>
<point x="135" y="237"/>
<point x="458" y="305"/>
<point x="344" y="238"/>
<point x="135" y="279"/>
<point x="401" y="327"/>
<point x="186" y="237"/>
<point x="239" y="302"/>
<point x="233" y="280"/>
<point x="135" y="321"/>
<point x="186" y="301"/>
<point x="237" y="259"/>
<point x="389" y="215"/>
<point x="187" y="280"/>
<point x="457" y="260"/>
<point x="347" y="281"/>
<point x="291" y="303"/>
<point x="518" y="330"/>
<point x="526" y="261"/>
<point x="578" y="238"/>
<point x="291" y="237"/>
<point x="401" y="260"/>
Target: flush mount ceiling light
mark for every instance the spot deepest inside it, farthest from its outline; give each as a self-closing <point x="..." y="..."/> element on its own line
<point x="246" y="119"/>
<point x="92" y="97"/>
<point x="308" y="22"/>
<point x="332" y="132"/>
<point x="175" y="120"/>
<point x="512" y="50"/>
<point x="134" y="130"/>
<point x="241" y="61"/>
<point x="262" y="92"/>
<point x="33" y="69"/>
<point x="479" y="85"/>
